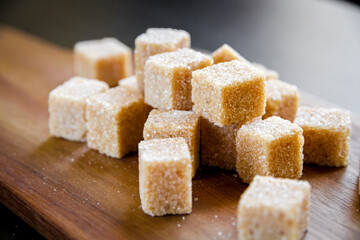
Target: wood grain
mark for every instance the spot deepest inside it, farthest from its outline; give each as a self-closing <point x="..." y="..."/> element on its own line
<point x="67" y="191"/>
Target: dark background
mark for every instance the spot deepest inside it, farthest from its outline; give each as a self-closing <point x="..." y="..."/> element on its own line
<point x="314" y="44"/>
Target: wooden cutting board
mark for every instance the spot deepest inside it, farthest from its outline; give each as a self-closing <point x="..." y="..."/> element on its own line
<point x="65" y="190"/>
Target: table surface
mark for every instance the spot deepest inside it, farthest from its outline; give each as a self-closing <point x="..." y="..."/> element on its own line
<point x="313" y="44"/>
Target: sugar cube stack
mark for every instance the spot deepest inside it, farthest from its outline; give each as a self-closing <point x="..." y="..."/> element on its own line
<point x="217" y="90"/>
<point x="270" y="147"/>
<point x="115" y="121"/>
<point x="167" y="82"/>
<point x="165" y="176"/>
<point x="327" y="135"/>
<point x="282" y="99"/>
<point x="220" y="110"/>
<point x="274" y="208"/>
<point x="155" y="41"/>
<point x="173" y="124"/>
<point x="67" y="107"/>
<point x="106" y="59"/>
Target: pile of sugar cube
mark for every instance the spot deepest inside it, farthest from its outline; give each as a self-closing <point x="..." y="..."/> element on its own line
<point x="183" y="102"/>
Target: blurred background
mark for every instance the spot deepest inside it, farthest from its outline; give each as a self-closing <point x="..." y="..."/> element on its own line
<point x="314" y="44"/>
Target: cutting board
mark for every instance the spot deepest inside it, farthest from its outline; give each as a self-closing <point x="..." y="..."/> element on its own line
<point x="67" y="191"/>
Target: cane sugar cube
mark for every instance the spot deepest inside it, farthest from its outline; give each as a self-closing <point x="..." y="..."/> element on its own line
<point x="327" y="135"/>
<point x="115" y="121"/>
<point x="218" y="145"/>
<point x="173" y="124"/>
<point x="165" y="176"/>
<point x="282" y="99"/>
<point x="131" y="84"/>
<point x="269" y="74"/>
<point x="226" y="54"/>
<point x="67" y="107"/>
<point x="228" y="93"/>
<point x="167" y="82"/>
<point x="106" y="59"/>
<point x="274" y="208"/>
<point x="155" y="41"/>
<point x="270" y="147"/>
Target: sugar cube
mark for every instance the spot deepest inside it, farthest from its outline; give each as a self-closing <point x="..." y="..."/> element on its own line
<point x="218" y="145"/>
<point x="228" y="93"/>
<point x="155" y="41"/>
<point x="131" y="84"/>
<point x="173" y="124"/>
<point x="269" y="74"/>
<point x="167" y="82"/>
<point x="115" y="121"/>
<point x="67" y="107"/>
<point x="327" y="135"/>
<point x="274" y="208"/>
<point x="165" y="176"/>
<point x="225" y="53"/>
<point x="271" y="147"/>
<point x="106" y="59"/>
<point x="282" y="99"/>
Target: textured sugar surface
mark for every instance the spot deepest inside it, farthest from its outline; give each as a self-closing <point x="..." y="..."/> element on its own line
<point x="270" y="147"/>
<point x="102" y="48"/>
<point x="184" y="57"/>
<point x="67" y="107"/>
<point x="155" y="41"/>
<point x="275" y="192"/>
<point x="229" y="72"/>
<point x="115" y="121"/>
<point x="276" y="90"/>
<point x="175" y="123"/>
<point x="273" y="208"/>
<point x="327" y="135"/>
<point x="216" y="90"/>
<point x="163" y="36"/>
<point x="168" y="149"/>
<point x="174" y="119"/>
<point x="271" y="128"/>
<point x="115" y="97"/>
<point x="225" y="54"/>
<point x="218" y="145"/>
<point x="282" y="99"/>
<point x="269" y="74"/>
<point x="165" y="177"/>
<point x="79" y="88"/>
<point x="130" y="83"/>
<point x="331" y="118"/>
<point x="168" y="78"/>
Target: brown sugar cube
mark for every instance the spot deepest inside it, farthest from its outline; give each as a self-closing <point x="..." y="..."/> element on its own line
<point x="274" y="208"/>
<point x="106" y="59"/>
<point x="165" y="176"/>
<point x="228" y="93"/>
<point x="282" y="99"/>
<point x="327" y="135"/>
<point x="218" y="145"/>
<point x="270" y="147"/>
<point x="167" y="83"/>
<point x="67" y="107"/>
<point x="115" y="121"/>
<point x="155" y="41"/>
<point x="226" y="54"/>
<point x="173" y="124"/>
<point x="269" y="74"/>
<point x="131" y="84"/>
